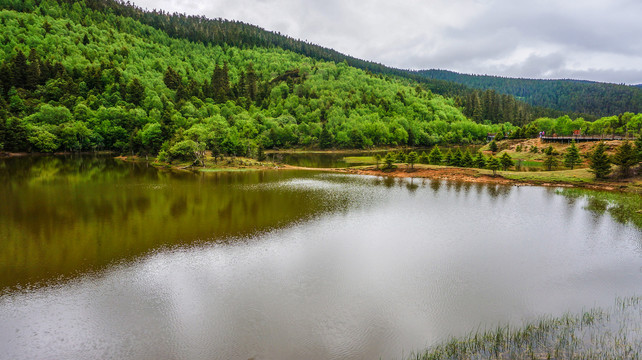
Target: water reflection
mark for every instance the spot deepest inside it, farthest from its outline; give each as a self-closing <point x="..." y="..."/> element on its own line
<point x="64" y="215"/>
<point x="291" y="265"/>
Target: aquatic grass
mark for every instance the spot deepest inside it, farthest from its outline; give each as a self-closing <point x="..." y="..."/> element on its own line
<point x="623" y="207"/>
<point x="614" y="333"/>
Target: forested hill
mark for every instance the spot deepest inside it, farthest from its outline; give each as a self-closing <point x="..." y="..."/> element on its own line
<point x="76" y="78"/>
<point x="598" y="99"/>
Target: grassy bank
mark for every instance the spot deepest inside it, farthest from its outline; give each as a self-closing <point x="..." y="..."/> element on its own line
<point x="614" y="333"/>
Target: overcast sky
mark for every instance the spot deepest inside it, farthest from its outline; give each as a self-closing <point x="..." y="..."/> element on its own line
<point x="597" y="40"/>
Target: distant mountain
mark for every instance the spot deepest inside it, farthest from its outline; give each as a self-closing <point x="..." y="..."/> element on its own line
<point x="598" y="99"/>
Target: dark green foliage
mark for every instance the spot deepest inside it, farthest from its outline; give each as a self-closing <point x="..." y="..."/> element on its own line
<point x="435" y="156"/>
<point x="625" y="157"/>
<point x="572" y="156"/>
<point x="596" y="99"/>
<point x="534" y="149"/>
<point x="456" y="159"/>
<point x="389" y="160"/>
<point x="135" y="92"/>
<point x="493" y="146"/>
<point x="638" y="148"/>
<point x="506" y="161"/>
<point x="599" y="162"/>
<point x="493" y="164"/>
<point x="551" y="161"/>
<point x="448" y="159"/>
<point x="400" y="157"/>
<point x="480" y="161"/>
<point x="412" y="158"/>
<point x="260" y="153"/>
<point x="467" y="159"/>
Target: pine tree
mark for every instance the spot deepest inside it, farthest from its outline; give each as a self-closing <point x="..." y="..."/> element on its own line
<point x="135" y="92"/>
<point x="435" y="156"/>
<point x="19" y="67"/>
<point x="493" y="164"/>
<point x="172" y="79"/>
<point x="467" y="159"/>
<point x="506" y="161"/>
<point x="325" y="138"/>
<point x="551" y="158"/>
<point x="493" y="146"/>
<point x="480" y="161"/>
<point x="448" y="159"/>
<point x="456" y="158"/>
<point x="389" y="160"/>
<point x="423" y="158"/>
<point x="411" y="159"/>
<point x="599" y="162"/>
<point x="572" y="156"/>
<point x="625" y="157"/>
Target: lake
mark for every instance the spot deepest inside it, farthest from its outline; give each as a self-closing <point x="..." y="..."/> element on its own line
<point x="104" y="259"/>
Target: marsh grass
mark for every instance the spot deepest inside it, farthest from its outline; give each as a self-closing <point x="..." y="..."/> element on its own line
<point x="615" y="333"/>
<point x="623" y="207"/>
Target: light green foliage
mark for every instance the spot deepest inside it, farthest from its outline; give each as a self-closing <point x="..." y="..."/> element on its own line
<point x="423" y="158"/>
<point x="186" y="150"/>
<point x="117" y="76"/>
<point x="435" y="156"/>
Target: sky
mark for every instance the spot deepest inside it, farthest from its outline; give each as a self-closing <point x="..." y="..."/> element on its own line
<point x="599" y="40"/>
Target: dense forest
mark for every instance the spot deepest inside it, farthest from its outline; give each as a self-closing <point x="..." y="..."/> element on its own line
<point x="582" y="97"/>
<point x="73" y="78"/>
<point x="95" y="75"/>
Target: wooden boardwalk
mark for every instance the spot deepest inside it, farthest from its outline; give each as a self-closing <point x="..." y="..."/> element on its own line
<point x="582" y="138"/>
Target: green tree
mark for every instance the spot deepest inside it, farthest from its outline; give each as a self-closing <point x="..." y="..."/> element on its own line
<point x="448" y="159"/>
<point x="493" y="164"/>
<point x="467" y="159"/>
<point x="599" y="163"/>
<point x="411" y="159"/>
<point x="135" y="91"/>
<point x="551" y="160"/>
<point x="389" y="160"/>
<point x="377" y="159"/>
<point x="506" y="161"/>
<point x="572" y="156"/>
<point x="480" y="160"/>
<point x="435" y="156"/>
<point x="493" y="146"/>
<point x="625" y="157"/>
<point x="325" y="139"/>
<point x="423" y="158"/>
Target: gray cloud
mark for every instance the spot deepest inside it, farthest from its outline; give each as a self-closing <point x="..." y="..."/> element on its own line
<point x="592" y="39"/>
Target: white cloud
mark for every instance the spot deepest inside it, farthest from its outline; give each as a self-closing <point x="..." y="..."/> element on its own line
<point x="591" y="39"/>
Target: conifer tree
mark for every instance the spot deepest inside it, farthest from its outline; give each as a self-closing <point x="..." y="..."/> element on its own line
<point x="625" y="157"/>
<point x="599" y="162"/>
<point x="493" y="146"/>
<point x="456" y="158"/>
<point x="572" y="156"/>
<point x="480" y="160"/>
<point x="423" y="158"/>
<point x="506" y="161"/>
<point x="435" y="156"/>
<point x="389" y="160"/>
<point x="493" y="164"/>
<point x="411" y="159"/>
<point x="448" y="159"/>
<point x="467" y="159"/>
<point x="551" y="158"/>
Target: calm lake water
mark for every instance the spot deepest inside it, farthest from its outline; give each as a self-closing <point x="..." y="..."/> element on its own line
<point x="101" y="259"/>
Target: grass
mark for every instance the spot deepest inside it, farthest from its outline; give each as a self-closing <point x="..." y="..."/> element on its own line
<point x="571" y="176"/>
<point x="623" y="207"/>
<point x="362" y="160"/>
<point x="614" y="333"/>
